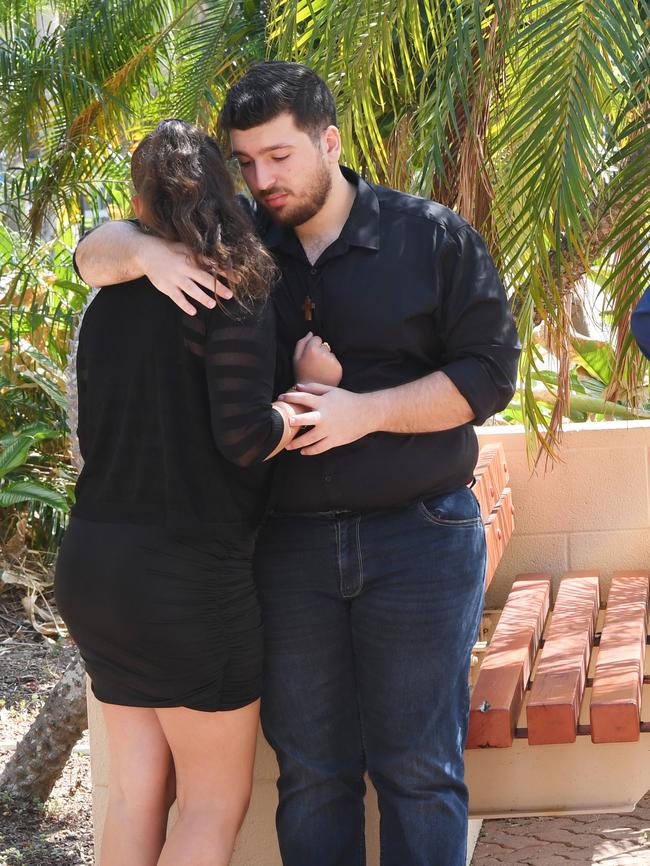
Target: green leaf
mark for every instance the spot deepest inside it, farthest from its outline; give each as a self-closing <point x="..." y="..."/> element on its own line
<point x="37" y="430"/>
<point x="15" y="454"/>
<point x="6" y="243"/>
<point x="31" y="491"/>
<point x="582" y="403"/>
<point x="592" y="386"/>
<point x="53" y="392"/>
<point x="76" y="288"/>
<point x="596" y="357"/>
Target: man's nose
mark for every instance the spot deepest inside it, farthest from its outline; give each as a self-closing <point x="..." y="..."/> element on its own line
<point x="265" y="177"/>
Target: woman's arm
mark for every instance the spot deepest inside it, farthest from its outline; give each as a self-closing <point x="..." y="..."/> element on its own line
<point x="248" y="428"/>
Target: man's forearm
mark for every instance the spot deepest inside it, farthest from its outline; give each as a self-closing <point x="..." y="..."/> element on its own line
<point x="426" y="405"/>
<point x="338" y="417"/>
<point x="117" y="252"/>
<point x="109" y="254"/>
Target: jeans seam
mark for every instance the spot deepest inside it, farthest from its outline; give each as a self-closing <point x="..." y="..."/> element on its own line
<point x="359" y="553"/>
<point x="337" y="530"/>
<point x="364" y="752"/>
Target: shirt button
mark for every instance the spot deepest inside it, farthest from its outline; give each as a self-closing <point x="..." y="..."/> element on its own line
<point x="327" y="479"/>
<point x="313" y="271"/>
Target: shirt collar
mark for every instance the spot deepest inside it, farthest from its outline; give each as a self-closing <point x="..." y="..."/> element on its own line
<point x="361" y="228"/>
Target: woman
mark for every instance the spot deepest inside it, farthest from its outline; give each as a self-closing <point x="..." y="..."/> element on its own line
<point x="154" y="576"/>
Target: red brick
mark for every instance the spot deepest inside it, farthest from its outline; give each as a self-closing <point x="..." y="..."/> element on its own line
<point x="618" y="680"/>
<point x="499" y="691"/>
<point x="556" y="694"/>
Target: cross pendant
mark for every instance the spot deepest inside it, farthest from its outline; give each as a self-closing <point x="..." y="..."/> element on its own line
<point x="308" y="308"/>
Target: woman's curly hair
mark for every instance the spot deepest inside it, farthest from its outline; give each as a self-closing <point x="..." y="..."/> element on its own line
<point x="188" y="195"/>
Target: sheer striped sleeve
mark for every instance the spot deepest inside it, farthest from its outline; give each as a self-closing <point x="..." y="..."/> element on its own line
<point x="81" y="376"/>
<point x="240" y="352"/>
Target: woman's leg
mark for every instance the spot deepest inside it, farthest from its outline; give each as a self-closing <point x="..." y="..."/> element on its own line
<point x="213" y="755"/>
<point x="140" y="788"/>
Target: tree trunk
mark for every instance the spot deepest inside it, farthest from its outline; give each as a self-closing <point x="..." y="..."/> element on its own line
<point x="42" y="753"/>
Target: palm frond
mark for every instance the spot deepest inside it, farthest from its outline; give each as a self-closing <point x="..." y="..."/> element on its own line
<point x="211" y="50"/>
<point x="527" y="116"/>
<point x="370" y="54"/>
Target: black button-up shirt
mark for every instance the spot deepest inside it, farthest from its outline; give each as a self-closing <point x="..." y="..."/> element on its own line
<point x="408" y="288"/>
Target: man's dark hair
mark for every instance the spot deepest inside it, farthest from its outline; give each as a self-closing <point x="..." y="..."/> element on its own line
<point x="273" y="88"/>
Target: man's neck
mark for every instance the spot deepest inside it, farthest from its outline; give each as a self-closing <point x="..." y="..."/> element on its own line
<point x="324" y="228"/>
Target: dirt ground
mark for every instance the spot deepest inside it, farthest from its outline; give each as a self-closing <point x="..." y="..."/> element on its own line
<point x="59" y="833"/>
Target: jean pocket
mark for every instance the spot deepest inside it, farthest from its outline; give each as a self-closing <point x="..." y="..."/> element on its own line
<point x="459" y="508"/>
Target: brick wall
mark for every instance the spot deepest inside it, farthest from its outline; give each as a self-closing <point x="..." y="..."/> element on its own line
<point x="590" y="510"/>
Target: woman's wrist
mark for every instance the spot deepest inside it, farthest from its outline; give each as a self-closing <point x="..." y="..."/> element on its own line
<point x="285" y="411"/>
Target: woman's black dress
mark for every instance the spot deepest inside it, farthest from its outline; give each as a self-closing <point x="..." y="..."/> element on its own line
<point x="154" y="576"/>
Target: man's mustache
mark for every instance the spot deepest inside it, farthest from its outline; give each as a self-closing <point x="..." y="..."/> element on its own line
<point x="276" y="190"/>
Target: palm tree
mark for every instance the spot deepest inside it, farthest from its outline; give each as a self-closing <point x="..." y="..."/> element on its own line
<point x="527" y="116"/>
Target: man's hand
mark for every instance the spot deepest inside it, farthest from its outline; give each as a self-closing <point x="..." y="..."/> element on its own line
<point x="171" y="268"/>
<point x="337" y="417"/>
<point x="426" y="405"/>
<point x="118" y="251"/>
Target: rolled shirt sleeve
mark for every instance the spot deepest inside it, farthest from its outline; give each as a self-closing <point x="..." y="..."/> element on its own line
<point x="481" y="346"/>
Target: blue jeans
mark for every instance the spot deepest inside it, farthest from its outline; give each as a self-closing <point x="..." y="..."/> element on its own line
<point x="369" y="623"/>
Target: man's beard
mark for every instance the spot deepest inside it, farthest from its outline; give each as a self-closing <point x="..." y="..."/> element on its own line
<point x="313" y="200"/>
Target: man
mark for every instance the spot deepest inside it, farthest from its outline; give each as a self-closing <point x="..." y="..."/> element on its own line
<point x="640" y="323"/>
<point x="370" y="567"/>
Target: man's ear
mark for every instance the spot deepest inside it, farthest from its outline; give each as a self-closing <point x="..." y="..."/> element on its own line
<point x="136" y="201"/>
<point x="332" y="142"/>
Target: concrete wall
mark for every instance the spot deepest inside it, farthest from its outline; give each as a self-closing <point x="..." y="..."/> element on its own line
<point x="591" y="510"/>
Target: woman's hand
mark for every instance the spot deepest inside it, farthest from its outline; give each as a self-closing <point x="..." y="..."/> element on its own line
<point x="314" y="361"/>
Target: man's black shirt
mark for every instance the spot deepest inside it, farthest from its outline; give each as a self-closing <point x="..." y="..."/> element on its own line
<point x="408" y="288"/>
